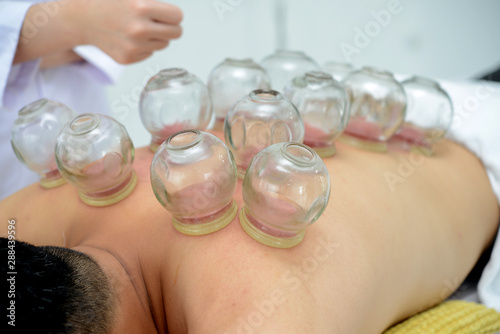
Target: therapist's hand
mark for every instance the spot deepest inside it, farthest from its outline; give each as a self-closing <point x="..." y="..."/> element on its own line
<point x="127" y="30"/>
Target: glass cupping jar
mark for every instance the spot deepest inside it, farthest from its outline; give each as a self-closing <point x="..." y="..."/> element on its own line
<point x="174" y="100"/>
<point x="323" y="105"/>
<point x="34" y="138"/>
<point x="339" y="71"/>
<point x="261" y="118"/>
<point x="232" y="79"/>
<point x="429" y="115"/>
<point x="286" y="189"/>
<point x="378" y="106"/>
<point x="193" y="176"/>
<point x="284" y="65"/>
<point x="94" y="153"/>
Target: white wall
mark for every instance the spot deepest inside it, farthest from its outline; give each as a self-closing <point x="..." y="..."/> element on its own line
<point x="448" y="39"/>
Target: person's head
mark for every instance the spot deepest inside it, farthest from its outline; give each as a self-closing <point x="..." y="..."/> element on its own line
<point x="57" y="290"/>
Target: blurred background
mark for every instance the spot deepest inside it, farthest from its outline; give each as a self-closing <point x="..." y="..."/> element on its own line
<point x="448" y="39"/>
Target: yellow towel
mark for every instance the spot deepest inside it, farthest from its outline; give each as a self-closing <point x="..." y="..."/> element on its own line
<point x="451" y="317"/>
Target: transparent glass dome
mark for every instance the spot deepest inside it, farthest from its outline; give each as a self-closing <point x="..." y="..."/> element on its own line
<point x="174" y="100"/>
<point x="323" y="104"/>
<point x="34" y="138"/>
<point x="261" y="118"/>
<point x="378" y="105"/>
<point x="284" y="65"/>
<point x="94" y="153"/>
<point x="231" y="80"/>
<point x="339" y="71"/>
<point x="428" y="115"/>
<point x="193" y="176"/>
<point x="286" y="189"/>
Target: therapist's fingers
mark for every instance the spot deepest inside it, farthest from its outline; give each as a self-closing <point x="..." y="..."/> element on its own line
<point x="155" y="45"/>
<point x="164" y="32"/>
<point x="129" y="53"/>
<point x="165" y="13"/>
<point x="156" y="31"/>
<point x="130" y="57"/>
<point x="141" y="56"/>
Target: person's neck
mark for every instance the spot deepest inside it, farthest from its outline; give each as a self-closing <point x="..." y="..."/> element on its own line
<point x="134" y="311"/>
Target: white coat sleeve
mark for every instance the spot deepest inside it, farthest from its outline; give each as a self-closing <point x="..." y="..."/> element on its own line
<point x="12" y="14"/>
<point x="101" y="66"/>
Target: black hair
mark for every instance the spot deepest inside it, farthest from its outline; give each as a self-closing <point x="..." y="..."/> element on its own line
<point x="55" y="290"/>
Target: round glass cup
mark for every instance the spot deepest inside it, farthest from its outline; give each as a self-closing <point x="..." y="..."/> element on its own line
<point x="33" y="138"/>
<point x="193" y="175"/>
<point x="231" y="80"/>
<point x="174" y="100"/>
<point x="323" y="104"/>
<point x="285" y="190"/>
<point x="284" y="65"/>
<point x="339" y="71"/>
<point x="260" y="119"/>
<point x="428" y="116"/>
<point x="94" y="153"/>
<point x="378" y="106"/>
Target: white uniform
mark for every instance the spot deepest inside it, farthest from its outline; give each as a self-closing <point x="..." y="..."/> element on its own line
<point x="80" y="86"/>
